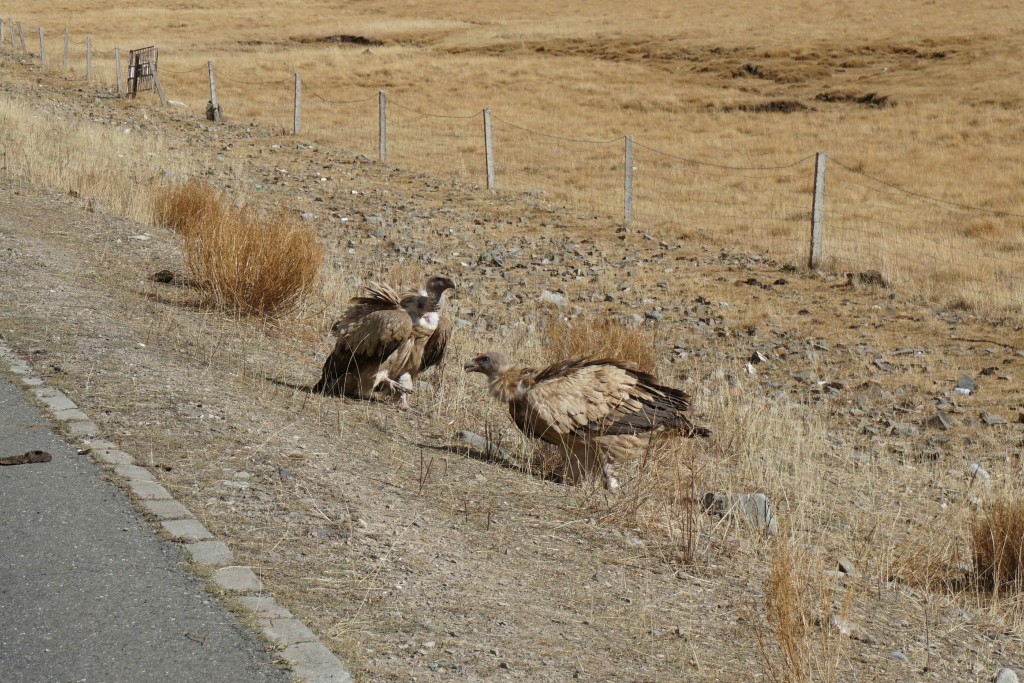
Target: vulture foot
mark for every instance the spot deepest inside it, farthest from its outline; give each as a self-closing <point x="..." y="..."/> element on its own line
<point x="610" y="482"/>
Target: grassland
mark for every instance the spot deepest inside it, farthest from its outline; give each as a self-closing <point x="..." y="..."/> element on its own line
<point x="926" y="100"/>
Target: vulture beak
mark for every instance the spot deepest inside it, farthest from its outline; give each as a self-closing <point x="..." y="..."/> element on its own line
<point x="473" y="366"/>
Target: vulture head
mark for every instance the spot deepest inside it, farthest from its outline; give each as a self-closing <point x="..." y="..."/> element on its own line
<point x="437" y="285"/>
<point x="492" y="364"/>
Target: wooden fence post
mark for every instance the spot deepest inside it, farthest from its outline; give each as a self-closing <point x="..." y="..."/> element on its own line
<point x="21" y="38"/>
<point x="64" y="63"/>
<point x="382" y="103"/>
<point x="42" y="47"/>
<point x="10" y="27"/>
<point x="817" y="210"/>
<point x="1" y="31"/>
<point x="117" y="70"/>
<point x="297" y="117"/>
<point x="213" y="111"/>
<point x="488" y="149"/>
<point x="88" y="58"/>
<point x="627" y="188"/>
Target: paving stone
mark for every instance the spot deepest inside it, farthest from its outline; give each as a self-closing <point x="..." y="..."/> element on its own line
<point x="111" y="456"/>
<point x="147" y="490"/>
<point x="167" y="509"/>
<point x="31" y="381"/>
<point x="186" y="529"/>
<point x="214" y="553"/>
<point x="82" y="428"/>
<point x="264" y="605"/>
<point x="314" y="663"/>
<point x="58" y="403"/>
<point x="134" y="472"/>
<point x="21" y="369"/>
<point x="70" y="415"/>
<point x="241" y="579"/>
<point x="283" y="632"/>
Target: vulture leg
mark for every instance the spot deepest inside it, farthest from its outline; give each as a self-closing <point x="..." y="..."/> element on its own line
<point x="381" y="378"/>
<point x="581" y="460"/>
<point x="610" y="482"/>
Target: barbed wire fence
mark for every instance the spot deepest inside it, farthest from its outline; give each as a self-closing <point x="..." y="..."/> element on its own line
<point x="816" y="210"/>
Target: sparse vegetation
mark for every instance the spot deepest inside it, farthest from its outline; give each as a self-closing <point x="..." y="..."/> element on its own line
<point x="998" y="537"/>
<point x="249" y="262"/>
<point x="604" y="337"/>
<point x="365" y="521"/>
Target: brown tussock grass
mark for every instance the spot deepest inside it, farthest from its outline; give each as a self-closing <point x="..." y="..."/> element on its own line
<point x="252" y="263"/>
<point x="185" y="207"/>
<point x="800" y="644"/>
<point x="998" y="541"/>
<point x="594" y="337"/>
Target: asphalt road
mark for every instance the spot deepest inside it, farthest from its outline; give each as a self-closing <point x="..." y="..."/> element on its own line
<point x="88" y="592"/>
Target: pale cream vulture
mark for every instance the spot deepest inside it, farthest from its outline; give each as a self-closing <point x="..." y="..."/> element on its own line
<point x="380" y="337"/>
<point x="598" y="412"/>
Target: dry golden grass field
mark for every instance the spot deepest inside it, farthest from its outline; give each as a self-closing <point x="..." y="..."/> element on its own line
<point x="897" y="555"/>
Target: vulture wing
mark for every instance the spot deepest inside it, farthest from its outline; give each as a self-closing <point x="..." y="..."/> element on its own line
<point x="370" y="331"/>
<point x="591" y="399"/>
<point x="433" y="352"/>
<point x="379" y="297"/>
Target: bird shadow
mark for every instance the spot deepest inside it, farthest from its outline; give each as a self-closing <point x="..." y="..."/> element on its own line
<point x="491" y="453"/>
<point x="303" y="388"/>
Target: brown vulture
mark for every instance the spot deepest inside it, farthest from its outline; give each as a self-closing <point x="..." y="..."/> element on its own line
<point x="380" y="337"/>
<point x="434" y="289"/>
<point x="598" y="412"/>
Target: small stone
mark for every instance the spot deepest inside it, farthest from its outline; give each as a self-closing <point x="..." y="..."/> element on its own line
<point x="846" y="566"/>
<point x="755" y="508"/>
<point x="903" y="429"/>
<point x="992" y="419"/>
<point x="899" y="656"/>
<point x="758" y="357"/>
<point x="939" y="421"/>
<point x="549" y="297"/>
<point x="976" y="471"/>
<point x="1006" y="676"/>
<point x="967" y="382"/>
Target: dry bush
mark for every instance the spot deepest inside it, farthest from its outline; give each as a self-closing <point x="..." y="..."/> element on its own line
<point x="247" y="261"/>
<point x="799" y="644"/>
<point x="186" y="207"/>
<point x="998" y="537"/>
<point x="592" y="337"/>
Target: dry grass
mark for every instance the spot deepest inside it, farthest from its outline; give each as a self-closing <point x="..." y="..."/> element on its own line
<point x="112" y="169"/>
<point x="948" y="76"/>
<point x="998" y="537"/>
<point x="800" y="644"/>
<point x="249" y="262"/>
<point x="186" y="208"/>
<point x="593" y="337"/>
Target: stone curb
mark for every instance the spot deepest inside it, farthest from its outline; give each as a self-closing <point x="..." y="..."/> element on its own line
<point x="311" y="660"/>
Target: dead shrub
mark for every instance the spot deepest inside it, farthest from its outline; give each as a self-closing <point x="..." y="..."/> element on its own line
<point x="593" y="337"/>
<point x="998" y="538"/>
<point x="800" y="642"/>
<point x="246" y="261"/>
<point x="186" y="207"/>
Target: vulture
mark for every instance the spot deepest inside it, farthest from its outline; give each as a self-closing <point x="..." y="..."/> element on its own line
<point x="434" y="289"/>
<point x="380" y="337"/>
<point x="599" y="412"/>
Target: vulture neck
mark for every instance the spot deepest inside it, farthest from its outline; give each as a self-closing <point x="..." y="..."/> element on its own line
<point x="510" y="384"/>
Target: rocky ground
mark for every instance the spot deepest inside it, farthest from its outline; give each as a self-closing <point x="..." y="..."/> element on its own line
<point x="878" y="426"/>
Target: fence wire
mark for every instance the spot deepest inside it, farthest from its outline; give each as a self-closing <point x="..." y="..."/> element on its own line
<point x="943" y="248"/>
